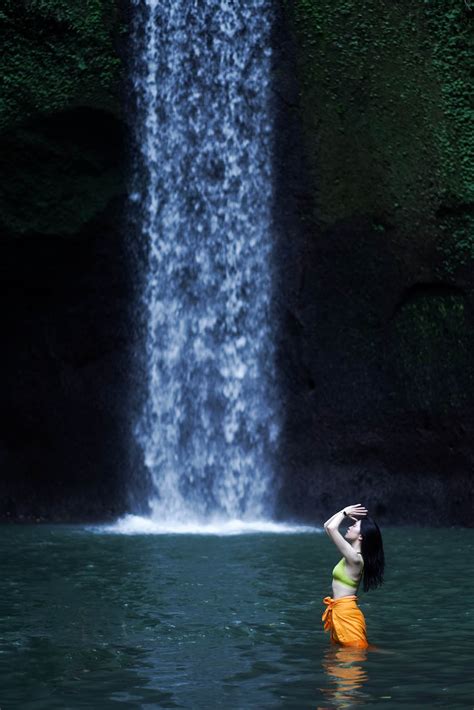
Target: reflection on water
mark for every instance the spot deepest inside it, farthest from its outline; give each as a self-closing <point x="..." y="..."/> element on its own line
<point x="345" y="674"/>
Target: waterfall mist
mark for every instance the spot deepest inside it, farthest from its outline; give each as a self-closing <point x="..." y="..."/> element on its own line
<point x="202" y="190"/>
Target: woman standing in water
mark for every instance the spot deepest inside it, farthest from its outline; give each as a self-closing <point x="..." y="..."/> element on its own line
<point x="363" y="557"/>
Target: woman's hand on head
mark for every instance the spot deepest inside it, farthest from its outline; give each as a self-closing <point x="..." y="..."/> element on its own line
<point x="356" y="510"/>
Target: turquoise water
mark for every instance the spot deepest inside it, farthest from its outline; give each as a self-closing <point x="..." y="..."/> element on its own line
<point x="94" y="620"/>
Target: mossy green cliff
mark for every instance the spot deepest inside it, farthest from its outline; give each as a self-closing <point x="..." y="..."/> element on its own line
<point x="65" y="279"/>
<point x="385" y="298"/>
<point x="387" y="104"/>
<point x="58" y="54"/>
<point x="60" y="113"/>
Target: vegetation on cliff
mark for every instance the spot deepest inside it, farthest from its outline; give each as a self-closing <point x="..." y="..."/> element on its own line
<point x="60" y="128"/>
<point x="57" y="54"/>
<point x="384" y="308"/>
<point x="65" y="291"/>
<point x="386" y="103"/>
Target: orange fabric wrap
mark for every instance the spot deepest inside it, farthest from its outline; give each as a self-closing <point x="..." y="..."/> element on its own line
<point x="345" y="621"/>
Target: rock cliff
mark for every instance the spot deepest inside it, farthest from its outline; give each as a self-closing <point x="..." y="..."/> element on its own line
<point x="376" y="331"/>
<point x="66" y="286"/>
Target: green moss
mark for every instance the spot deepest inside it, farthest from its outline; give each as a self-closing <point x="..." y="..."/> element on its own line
<point x="456" y="248"/>
<point x="451" y="41"/>
<point x="61" y="146"/>
<point x="386" y="97"/>
<point x="433" y="349"/>
<point x="57" y="54"/>
<point x="53" y="182"/>
<point x="452" y="46"/>
<point x="363" y="142"/>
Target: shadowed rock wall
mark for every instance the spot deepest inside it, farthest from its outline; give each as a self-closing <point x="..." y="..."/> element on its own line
<point x="377" y="326"/>
<point x="66" y="284"/>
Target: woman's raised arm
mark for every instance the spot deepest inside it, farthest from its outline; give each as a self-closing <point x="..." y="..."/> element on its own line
<point x="331" y="527"/>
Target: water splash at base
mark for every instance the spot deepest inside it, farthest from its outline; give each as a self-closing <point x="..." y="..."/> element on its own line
<point x="138" y="525"/>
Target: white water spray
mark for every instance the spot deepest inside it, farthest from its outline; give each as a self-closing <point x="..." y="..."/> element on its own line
<point x="203" y="190"/>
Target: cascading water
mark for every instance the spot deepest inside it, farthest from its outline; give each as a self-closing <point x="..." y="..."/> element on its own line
<point x="203" y="192"/>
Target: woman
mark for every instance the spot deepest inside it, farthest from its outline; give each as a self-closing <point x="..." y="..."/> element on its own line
<point x="363" y="557"/>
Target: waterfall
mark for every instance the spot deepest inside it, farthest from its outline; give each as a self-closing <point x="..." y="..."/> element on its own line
<point x="202" y="190"/>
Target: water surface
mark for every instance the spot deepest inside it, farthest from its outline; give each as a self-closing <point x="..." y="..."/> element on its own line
<point x="91" y="619"/>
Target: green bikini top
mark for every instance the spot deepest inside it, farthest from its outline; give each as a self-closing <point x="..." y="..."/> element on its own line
<point x="340" y="574"/>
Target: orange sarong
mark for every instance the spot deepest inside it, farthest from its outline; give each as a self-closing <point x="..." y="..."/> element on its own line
<point x="345" y="621"/>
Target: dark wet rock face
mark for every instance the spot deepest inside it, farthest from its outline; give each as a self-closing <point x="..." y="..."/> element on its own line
<point x="377" y="329"/>
<point x="67" y="287"/>
<point x="66" y="360"/>
<point x="60" y="170"/>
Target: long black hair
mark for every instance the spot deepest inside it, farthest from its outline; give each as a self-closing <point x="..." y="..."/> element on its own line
<point x="372" y="552"/>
